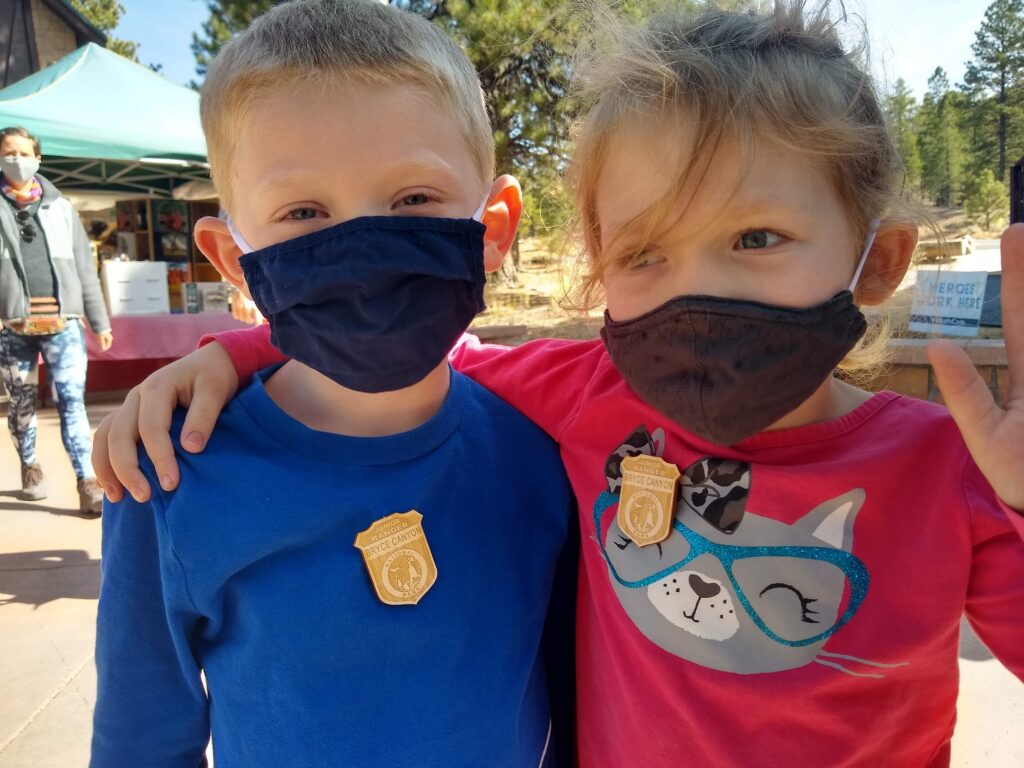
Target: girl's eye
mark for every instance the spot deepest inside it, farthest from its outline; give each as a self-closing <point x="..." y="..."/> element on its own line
<point x="302" y="214"/>
<point x="757" y="239"/>
<point x="638" y="262"/>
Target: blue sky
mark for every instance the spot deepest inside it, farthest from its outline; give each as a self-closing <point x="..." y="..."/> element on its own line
<point x="908" y="38"/>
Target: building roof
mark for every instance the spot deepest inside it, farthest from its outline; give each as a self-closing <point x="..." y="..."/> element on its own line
<point x="84" y="30"/>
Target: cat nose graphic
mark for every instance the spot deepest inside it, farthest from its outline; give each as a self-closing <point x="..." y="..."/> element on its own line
<point x="703" y="588"/>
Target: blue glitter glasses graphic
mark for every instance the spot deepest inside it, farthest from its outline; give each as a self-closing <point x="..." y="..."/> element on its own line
<point x="728" y="555"/>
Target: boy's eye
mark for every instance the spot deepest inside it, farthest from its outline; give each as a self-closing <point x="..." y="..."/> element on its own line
<point x="757" y="239"/>
<point x="418" y="198"/>
<point x="302" y="214"/>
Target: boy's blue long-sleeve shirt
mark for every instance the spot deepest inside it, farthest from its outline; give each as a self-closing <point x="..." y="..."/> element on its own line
<point x="249" y="573"/>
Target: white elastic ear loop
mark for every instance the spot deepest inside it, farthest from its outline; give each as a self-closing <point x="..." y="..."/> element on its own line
<point x="479" y="212"/>
<point x="872" y="231"/>
<point x="237" y="236"/>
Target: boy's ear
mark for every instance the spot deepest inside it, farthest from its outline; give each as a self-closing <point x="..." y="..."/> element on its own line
<point x="501" y="216"/>
<point x="215" y="241"/>
<point x="887" y="263"/>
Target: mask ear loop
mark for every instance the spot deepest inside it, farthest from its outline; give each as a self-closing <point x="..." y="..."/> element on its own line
<point x="872" y="231"/>
<point x="237" y="236"/>
<point x="478" y="214"/>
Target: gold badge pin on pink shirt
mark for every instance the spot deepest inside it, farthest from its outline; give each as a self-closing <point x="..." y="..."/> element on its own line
<point x="398" y="558"/>
<point x="648" y="499"/>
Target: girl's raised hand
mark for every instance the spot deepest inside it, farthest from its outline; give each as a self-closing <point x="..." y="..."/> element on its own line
<point x="994" y="433"/>
<point x="203" y="382"/>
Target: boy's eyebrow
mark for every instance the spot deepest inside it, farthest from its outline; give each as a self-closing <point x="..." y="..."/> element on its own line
<point x="397" y="171"/>
<point x="430" y="165"/>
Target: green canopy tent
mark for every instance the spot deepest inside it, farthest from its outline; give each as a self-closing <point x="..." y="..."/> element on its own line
<point x="110" y="125"/>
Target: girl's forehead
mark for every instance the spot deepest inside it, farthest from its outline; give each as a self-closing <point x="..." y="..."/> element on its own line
<point x="646" y="174"/>
<point x="640" y="167"/>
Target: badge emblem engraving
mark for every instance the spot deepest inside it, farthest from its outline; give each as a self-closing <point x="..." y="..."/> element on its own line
<point x="398" y="558"/>
<point x="648" y="499"/>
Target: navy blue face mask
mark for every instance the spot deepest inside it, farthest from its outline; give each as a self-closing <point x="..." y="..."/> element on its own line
<point x="374" y="303"/>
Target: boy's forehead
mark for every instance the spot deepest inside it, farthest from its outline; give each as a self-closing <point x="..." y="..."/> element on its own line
<point x="351" y="132"/>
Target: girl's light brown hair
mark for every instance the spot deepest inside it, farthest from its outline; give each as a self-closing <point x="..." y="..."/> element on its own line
<point x="781" y="77"/>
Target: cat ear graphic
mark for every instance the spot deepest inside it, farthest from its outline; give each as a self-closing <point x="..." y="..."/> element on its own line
<point x="717" y="490"/>
<point x="640" y="442"/>
<point x="832" y="521"/>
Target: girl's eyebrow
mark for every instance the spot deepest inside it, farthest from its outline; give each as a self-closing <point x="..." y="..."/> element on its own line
<point x="768" y="207"/>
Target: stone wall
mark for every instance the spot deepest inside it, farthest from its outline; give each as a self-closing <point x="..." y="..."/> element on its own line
<point x="910" y="374"/>
<point x="54" y="38"/>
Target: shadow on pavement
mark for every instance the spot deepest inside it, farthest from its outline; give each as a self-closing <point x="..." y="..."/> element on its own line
<point x="39" y="506"/>
<point x="37" y="578"/>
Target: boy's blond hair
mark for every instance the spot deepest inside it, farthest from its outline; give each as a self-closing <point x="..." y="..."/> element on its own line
<point x="781" y="77"/>
<point x="331" y="42"/>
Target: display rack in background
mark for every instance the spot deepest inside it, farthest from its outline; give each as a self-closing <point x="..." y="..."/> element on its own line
<point x="161" y="231"/>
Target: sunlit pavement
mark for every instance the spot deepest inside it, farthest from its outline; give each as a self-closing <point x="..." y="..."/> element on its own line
<point x="49" y="582"/>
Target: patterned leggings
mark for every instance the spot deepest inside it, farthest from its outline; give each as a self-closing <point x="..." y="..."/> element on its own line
<point x="66" y="360"/>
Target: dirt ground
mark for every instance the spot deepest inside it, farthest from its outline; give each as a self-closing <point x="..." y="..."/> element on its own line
<point x="536" y="304"/>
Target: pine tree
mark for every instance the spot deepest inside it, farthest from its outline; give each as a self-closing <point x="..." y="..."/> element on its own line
<point x="987" y="200"/>
<point x="227" y="18"/>
<point x="105" y="15"/>
<point x="940" y="141"/>
<point x="901" y="109"/>
<point x="997" y="71"/>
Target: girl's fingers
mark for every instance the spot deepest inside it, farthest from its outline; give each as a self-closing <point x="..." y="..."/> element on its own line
<point x="101" y="461"/>
<point x="967" y="397"/>
<point x="122" y="445"/>
<point x="208" y="400"/>
<point x="1012" y="247"/>
<point x="212" y="382"/>
<point x="157" y="400"/>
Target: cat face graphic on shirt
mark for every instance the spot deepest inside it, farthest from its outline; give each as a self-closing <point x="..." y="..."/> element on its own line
<point x="729" y="589"/>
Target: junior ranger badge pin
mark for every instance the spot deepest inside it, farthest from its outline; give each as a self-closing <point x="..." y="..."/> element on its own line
<point x="398" y="558"/>
<point x="648" y="499"/>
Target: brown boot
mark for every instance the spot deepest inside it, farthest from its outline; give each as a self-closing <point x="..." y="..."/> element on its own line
<point x="33" y="482"/>
<point x="90" y="496"/>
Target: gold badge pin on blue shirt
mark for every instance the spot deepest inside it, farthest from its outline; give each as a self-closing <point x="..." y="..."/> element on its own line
<point x="398" y="558"/>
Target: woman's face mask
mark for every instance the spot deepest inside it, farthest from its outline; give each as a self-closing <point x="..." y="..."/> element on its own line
<point x="18" y="169"/>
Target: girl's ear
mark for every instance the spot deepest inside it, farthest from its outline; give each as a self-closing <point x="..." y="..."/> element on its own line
<point x="501" y="216"/>
<point x="215" y="241"/>
<point x="886" y="264"/>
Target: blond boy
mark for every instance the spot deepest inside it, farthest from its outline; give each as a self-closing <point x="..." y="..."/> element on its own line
<point x="361" y="561"/>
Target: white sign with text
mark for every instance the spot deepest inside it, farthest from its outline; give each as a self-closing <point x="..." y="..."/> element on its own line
<point x="948" y="302"/>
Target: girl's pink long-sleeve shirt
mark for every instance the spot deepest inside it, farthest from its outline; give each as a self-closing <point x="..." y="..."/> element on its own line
<point x="805" y="609"/>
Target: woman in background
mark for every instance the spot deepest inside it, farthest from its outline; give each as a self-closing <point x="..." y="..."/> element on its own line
<point x="47" y="283"/>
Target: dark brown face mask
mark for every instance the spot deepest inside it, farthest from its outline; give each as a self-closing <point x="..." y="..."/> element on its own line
<point x="725" y="369"/>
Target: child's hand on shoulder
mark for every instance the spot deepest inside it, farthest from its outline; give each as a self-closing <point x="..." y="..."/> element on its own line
<point x="994" y="434"/>
<point x="203" y="382"/>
